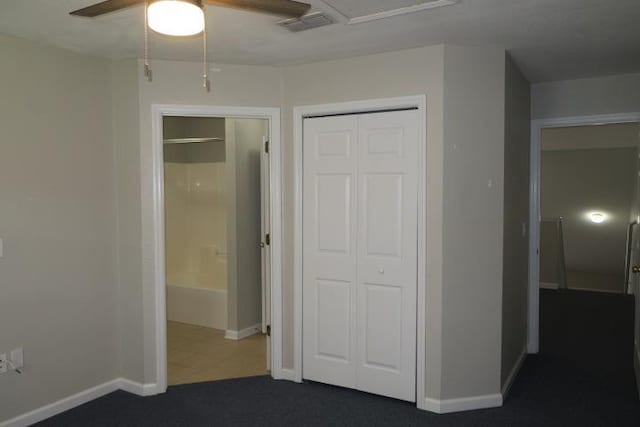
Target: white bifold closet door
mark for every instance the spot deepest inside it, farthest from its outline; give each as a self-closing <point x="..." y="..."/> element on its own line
<point x="360" y="251"/>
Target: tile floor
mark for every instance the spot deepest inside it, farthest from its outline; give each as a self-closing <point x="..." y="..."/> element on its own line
<point x="197" y="354"/>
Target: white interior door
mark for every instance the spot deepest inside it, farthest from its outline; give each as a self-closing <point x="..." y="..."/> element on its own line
<point x="360" y="251"/>
<point x="387" y="253"/>
<point x="329" y="250"/>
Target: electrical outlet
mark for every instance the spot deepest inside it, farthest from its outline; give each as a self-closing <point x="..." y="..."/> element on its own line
<point x="3" y="363"/>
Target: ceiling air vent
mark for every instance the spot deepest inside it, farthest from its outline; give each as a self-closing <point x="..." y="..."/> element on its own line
<point x="307" y="22"/>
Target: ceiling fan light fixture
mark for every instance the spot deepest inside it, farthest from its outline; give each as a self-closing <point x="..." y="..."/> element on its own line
<point x="176" y="17"/>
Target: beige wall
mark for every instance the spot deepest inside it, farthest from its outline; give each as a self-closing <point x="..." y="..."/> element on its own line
<point x="126" y="144"/>
<point x="584" y="97"/>
<point x="179" y="83"/>
<point x="463" y="85"/>
<point x="58" y="287"/>
<point x="474" y="96"/>
<point x="515" y="269"/>
<point x="576" y="182"/>
<point x="465" y="139"/>
<point x="401" y="73"/>
<point x="475" y="80"/>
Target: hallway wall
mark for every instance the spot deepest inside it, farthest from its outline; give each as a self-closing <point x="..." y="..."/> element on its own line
<point x="515" y="251"/>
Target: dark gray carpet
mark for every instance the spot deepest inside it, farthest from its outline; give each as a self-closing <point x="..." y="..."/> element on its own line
<point x="583" y="376"/>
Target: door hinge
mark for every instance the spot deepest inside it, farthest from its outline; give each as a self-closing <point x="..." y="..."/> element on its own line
<point x="267" y="239"/>
<point x="268" y="330"/>
<point x="266" y="146"/>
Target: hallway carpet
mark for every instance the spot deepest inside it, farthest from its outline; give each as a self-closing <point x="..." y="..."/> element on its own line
<point x="583" y="376"/>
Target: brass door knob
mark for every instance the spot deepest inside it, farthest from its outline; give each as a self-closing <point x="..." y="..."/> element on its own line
<point x="636" y="269"/>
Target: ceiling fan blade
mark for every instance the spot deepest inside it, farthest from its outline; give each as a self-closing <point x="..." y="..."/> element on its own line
<point x="287" y="8"/>
<point x="104" y="7"/>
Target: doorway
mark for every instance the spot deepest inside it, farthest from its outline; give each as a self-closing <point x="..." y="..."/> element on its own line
<point x="214" y="180"/>
<point x="359" y="289"/>
<point x="252" y="318"/>
<point x="553" y="223"/>
<point x="585" y="210"/>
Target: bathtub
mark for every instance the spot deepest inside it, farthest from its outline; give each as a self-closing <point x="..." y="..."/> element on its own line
<point x="197" y="305"/>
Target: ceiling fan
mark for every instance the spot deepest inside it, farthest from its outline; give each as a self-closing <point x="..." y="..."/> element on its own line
<point x="186" y="17"/>
<point x="287" y="8"/>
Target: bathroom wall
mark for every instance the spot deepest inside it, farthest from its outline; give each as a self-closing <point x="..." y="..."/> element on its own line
<point x="195" y="204"/>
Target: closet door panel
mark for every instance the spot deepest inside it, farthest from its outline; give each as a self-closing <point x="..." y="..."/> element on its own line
<point x="329" y="257"/>
<point x="387" y="251"/>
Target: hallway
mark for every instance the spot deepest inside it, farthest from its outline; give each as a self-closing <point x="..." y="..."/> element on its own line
<point x="584" y="373"/>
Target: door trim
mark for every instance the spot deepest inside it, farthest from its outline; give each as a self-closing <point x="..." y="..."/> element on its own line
<point x="156" y="241"/>
<point x="534" y="205"/>
<point x="418" y="102"/>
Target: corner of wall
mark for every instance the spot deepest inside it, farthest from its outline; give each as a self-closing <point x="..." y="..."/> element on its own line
<point x="474" y="87"/>
<point x="125" y="136"/>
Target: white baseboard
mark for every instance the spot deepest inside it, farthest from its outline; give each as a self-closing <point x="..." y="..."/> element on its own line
<point x="287" y="374"/>
<point x="138" y="388"/>
<point x="506" y="387"/>
<point x="463" y="404"/>
<point x="62" y="405"/>
<point x="548" y="285"/>
<point x="230" y="334"/>
<point x="605" y="291"/>
<point x="78" y="399"/>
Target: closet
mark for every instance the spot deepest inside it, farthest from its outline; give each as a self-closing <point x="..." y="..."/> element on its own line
<point x="360" y="187"/>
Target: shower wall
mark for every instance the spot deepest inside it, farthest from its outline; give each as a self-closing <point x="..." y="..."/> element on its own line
<point x="195" y="189"/>
<point x="196" y="224"/>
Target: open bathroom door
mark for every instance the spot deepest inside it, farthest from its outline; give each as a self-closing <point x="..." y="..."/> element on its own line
<point x="264" y="244"/>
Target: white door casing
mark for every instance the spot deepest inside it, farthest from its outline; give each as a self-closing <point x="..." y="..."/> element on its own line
<point x="360" y="251"/>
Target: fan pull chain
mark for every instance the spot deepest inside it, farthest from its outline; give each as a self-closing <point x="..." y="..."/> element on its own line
<point x="205" y="72"/>
<point x="147" y="68"/>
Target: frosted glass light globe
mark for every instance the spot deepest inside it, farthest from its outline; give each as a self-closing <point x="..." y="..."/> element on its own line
<point x="176" y="17"/>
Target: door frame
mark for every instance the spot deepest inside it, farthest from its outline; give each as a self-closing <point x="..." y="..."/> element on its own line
<point x="534" y="205"/>
<point x="354" y="107"/>
<point x="156" y="240"/>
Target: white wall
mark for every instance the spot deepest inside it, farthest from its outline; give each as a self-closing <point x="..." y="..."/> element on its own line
<point x="584" y="97"/>
<point x="58" y="284"/>
<point x="515" y="269"/>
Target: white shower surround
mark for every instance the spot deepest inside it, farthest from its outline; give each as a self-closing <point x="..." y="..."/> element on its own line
<point x="197" y="306"/>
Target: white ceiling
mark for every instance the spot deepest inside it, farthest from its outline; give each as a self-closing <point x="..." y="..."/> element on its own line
<point x="549" y="39"/>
